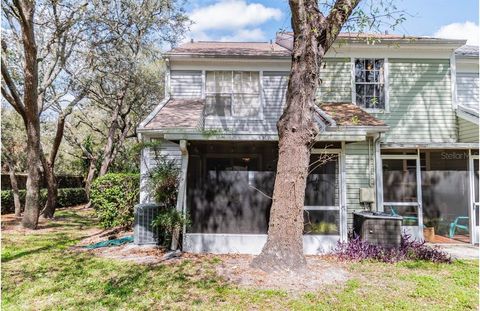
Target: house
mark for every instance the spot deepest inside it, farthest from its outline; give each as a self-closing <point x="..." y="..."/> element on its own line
<point x="400" y="135"/>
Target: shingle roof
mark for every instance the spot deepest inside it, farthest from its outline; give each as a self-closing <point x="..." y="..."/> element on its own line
<point x="178" y="113"/>
<point x="231" y="49"/>
<point x="467" y="50"/>
<point x="187" y="114"/>
<point x="281" y="47"/>
<point x="348" y="114"/>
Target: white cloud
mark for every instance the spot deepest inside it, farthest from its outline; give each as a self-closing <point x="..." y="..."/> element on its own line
<point x="255" y="34"/>
<point x="468" y="30"/>
<point x="237" y="18"/>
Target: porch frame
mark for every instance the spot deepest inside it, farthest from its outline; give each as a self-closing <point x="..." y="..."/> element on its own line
<point x="237" y="243"/>
<point x="399" y="147"/>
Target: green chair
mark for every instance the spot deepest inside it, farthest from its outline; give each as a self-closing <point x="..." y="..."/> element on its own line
<point x="394" y="212"/>
<point x="461" y="222"/>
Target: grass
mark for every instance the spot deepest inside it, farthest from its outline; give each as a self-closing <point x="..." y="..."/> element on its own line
<point x="40" y="272"/>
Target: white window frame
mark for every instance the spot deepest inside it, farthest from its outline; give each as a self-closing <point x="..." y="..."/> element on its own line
<point x="231" y="117"/>
<point x="386" y="70"/>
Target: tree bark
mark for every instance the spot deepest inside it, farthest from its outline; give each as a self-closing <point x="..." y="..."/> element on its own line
<point x="49" y="169"/>
<point x="52" y="189"/>
<point x="26" y="11"/>
<point x="14" y="184"/>
<point x="90" y="176"/>
<point x="297" y="130"/>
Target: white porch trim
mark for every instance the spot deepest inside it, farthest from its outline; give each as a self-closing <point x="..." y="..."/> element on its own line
<point x="251" y="243"/>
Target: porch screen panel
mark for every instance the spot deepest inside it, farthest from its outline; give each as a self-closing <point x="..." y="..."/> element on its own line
<point x="231" y="197"/>
<point x="399" y="180"/>
<point x="400" y="189"/>
<point x="445" y="189"/>
<point x="322" y="182"/>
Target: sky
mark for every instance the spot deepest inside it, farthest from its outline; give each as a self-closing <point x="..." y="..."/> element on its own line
<point x="259" y="20"/>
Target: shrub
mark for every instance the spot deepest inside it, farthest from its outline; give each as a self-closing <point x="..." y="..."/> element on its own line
<point x="71" y="197"/>
<point x="113" y="197"/>
<point x="167" y="222"/>
<point x="66" y="197"/>
<point x="357" y="250"/>
<point x="163" y="182"/>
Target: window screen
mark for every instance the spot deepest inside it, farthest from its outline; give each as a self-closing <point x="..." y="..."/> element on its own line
<point x="370" y="83"/>
<point x="399" y="180"/>
<point x="234" y="93"/>
<point x="322" y="182"/>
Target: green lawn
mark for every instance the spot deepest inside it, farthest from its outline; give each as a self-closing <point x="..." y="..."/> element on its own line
<point x="39" y="272"/>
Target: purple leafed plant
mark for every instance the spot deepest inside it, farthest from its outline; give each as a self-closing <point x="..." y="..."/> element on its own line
<point x="357" y="250"/>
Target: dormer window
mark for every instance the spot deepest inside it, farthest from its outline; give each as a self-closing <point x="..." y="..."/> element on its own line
<point x="370" y="83"/>
<point x="232" y="93"/>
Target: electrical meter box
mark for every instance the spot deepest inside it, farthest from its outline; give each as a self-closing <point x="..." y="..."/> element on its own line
<point x="367" y="195"/>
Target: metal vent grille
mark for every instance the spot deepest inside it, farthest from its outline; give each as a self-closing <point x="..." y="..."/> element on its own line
<point x="144" y="233"/>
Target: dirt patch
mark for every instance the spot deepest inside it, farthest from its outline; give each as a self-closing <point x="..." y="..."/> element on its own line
<point x="106" y="234"/>
<point x="10" y="223"/>
<point x="319" y="272"/>
<point x="137" y="254"/>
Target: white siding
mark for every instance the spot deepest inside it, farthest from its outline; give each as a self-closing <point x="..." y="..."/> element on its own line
<point x="467" y="89"/>
<point x="186" y="84"/>
<point x="467" y="131"/>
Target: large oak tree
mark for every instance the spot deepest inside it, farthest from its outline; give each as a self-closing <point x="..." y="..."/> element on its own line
<point x="313" y="34"/>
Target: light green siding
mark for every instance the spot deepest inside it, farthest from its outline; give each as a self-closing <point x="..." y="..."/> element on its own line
<point x="336" y="77"/>
<point x="420" y="102"/>
<point x="467" y="131"/>
<point x="359" y="168"/>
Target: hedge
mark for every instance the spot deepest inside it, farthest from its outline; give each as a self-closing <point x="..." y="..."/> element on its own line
<point x="66" y="197"/>
<point x="113" y="197"/>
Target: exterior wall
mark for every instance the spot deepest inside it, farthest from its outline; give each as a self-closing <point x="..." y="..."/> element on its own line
<point x="468" y="89"/>
<point x="186" y="84"/>
<point x="336" y="76"/>
<point x="420" y="102"/>
<point x="467" y="131"/>
<point x="167" y="149"/>
<point x="360" y="172"/>
<point x="335" y="87"/>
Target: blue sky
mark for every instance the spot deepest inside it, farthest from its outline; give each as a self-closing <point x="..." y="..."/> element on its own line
<point x="258" y="20"/>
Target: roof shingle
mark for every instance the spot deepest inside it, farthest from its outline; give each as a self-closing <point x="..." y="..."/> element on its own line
<point x="231" y="49"/>
<point x="178" y="113"/>
<point x="348" y="114"/>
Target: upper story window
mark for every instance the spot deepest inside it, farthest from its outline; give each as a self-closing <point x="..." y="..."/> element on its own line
<point x="232" y="93"/>
<point x="370" y="83"/>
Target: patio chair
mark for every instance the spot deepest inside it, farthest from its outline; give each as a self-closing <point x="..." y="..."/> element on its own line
<point x="461" y="222"/>
<point x="394" y="212"/>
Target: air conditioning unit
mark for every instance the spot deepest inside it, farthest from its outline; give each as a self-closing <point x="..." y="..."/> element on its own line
<point x="144" y="233"/>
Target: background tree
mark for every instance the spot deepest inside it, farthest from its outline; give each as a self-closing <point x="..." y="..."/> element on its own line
<point x="20" y="15"/>
<point x="13" y="151"/>
<point x="52" y="50"/>
<point x="58" y="34"/>
<point x="314" y="32"/>
<point x="125" y="70"/>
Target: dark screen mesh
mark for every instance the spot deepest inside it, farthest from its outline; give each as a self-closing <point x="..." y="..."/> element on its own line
<point x="230" y="184"/>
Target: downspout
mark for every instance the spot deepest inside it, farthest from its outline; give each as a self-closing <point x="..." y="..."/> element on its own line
<point x="182" y="192"/>
<point x="378" y="172"/>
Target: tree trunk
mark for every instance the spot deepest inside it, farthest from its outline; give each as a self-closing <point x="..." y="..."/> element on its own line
<point x="52" y="189"/>
<point x="297" y="130"/>
<point x="49" y="166"/>
<point x="90" y="176"/>
<point x="32" y="198"/>
<point x="14" y="183"/>
<point x="31" y="117"/>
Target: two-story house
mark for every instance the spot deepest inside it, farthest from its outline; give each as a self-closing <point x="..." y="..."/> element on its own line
<point x="400" y="135"/>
